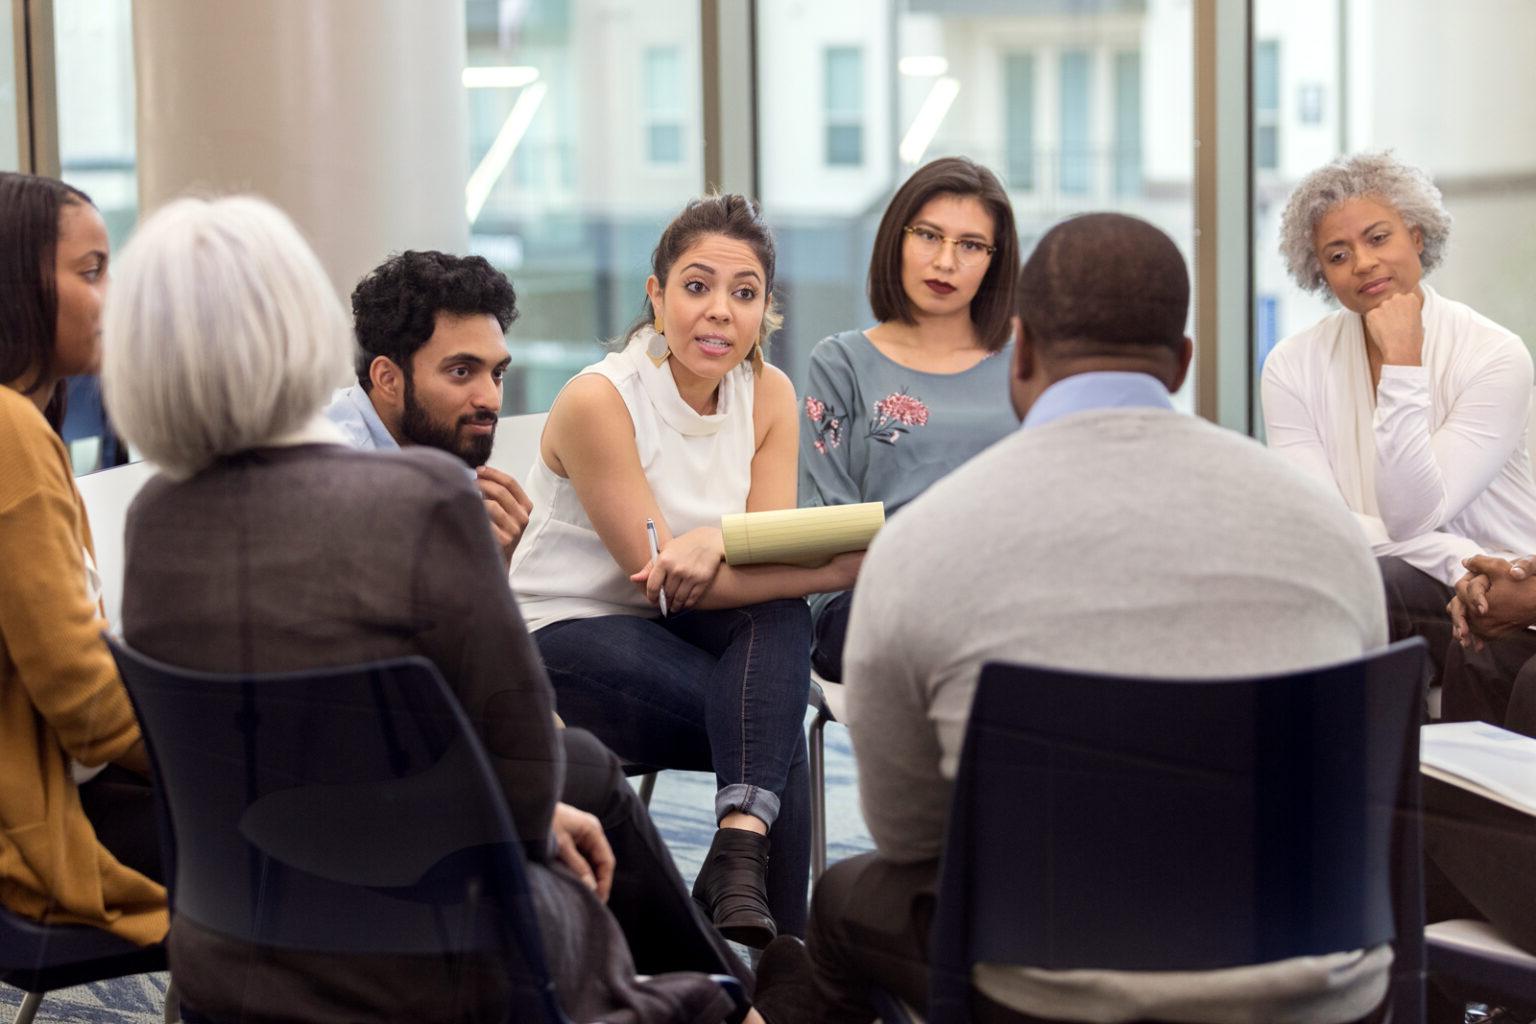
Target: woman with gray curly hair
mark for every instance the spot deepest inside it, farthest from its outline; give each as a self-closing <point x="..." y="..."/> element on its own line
<point x="1413" y="406"/>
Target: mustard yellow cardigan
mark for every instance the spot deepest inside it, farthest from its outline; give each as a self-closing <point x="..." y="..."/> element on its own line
<point x="60" y="697"/>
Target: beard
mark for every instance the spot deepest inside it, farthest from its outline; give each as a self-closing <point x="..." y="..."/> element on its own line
<point x="420" y="427"/>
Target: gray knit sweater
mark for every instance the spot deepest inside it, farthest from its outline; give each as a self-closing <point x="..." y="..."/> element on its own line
<point x="1133" y="541"/>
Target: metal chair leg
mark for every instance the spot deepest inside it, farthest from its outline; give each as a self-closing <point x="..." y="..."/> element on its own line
<point x="818" y="765"/>
<point x="172" y="1003"/>
<point x="28" y="1008"/>
<point x="647" y="787"/>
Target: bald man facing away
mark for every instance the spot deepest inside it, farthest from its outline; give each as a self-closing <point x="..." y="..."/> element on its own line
<point x="1109" y="534"/>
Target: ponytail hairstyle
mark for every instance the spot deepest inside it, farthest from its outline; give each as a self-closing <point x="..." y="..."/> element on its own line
<point x="734" y="216"/>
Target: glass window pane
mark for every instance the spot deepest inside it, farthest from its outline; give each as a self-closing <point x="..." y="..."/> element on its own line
<point x="567" y="216"/>
<point x="1266" y="104"/>
<point x="1266" y="76"/>
<point x="93" y="54"/>
<point x="664" y="143"/>
<point x="1127" y="123"/>
<point x="845" y="82"/>
<point x="974" y="77"/>
<point x="1266" y="146"/>
<point x="1464" y="118"/>
<point x="845" y="144"/>
<point x="10" y="156"/>
<point x="1019" y="101"/>
<point x="93" y="58"/>
<point x="663" y="81"/>
<point x="1076" y="130"/>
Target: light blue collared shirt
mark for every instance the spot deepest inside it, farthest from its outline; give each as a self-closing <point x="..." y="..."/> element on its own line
<point x="352" y="410"/>
<point x="1101" y="389"/>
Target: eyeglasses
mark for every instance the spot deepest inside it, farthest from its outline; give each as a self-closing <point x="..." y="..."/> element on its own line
<point x="968" y="252"/>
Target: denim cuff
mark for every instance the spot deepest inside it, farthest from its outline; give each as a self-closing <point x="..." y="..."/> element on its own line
<point x="753" y="800"/>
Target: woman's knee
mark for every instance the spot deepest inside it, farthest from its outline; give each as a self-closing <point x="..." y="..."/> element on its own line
<point x="786" y="620"/>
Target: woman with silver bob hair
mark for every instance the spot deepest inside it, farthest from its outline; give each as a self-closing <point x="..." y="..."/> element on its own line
<point x="1411" y="405"/>
<point x="268" y="545"/>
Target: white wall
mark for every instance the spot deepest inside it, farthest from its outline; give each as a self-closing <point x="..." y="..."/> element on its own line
<point x="607" y="77"/>
<point x="793" y="36"/>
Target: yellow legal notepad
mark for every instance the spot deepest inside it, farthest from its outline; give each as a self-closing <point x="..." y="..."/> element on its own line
<point x="800" y="536"/>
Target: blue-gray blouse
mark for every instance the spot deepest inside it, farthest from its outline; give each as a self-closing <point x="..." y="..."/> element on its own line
<point x="875" y="430"/>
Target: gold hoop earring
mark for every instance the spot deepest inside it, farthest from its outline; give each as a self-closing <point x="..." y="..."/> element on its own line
<point x="658" y="326"/>
<point x="757" y="357"/>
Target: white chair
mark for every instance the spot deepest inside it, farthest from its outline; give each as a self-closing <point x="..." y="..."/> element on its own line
<point x="517" y="444"/>
<point x="107" y="495"/>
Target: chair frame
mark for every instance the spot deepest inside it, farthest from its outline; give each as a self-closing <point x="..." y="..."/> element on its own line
<point x="37" y="959"/>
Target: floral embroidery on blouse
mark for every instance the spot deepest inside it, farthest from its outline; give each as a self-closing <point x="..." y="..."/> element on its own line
<point x="894" y="415"/>
<point x="829" y="425"/>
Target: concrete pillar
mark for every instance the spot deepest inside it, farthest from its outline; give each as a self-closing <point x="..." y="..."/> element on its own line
<point x="348" y="114"/>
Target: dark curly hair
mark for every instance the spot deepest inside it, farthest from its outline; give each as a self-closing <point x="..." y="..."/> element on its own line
<point x="395" y="306"/>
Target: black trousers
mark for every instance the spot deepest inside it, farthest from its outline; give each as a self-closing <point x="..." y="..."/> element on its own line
<point x="1496" y="684"/>
<point x="121" y="807"/>
<point x="870" y="923"/>
<point x="1416" y="607"/>
<point x="869" y="927"/>
<point x="1478" y="857"/>
<point x="665" y="928"/>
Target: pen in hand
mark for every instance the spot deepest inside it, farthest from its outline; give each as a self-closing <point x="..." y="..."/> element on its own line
<point x="650" y="535"/>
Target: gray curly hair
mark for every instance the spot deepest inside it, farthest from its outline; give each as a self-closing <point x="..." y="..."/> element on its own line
<point x="1402" y="186"/>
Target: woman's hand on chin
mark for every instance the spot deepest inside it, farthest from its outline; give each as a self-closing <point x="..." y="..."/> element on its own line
<point x="686" y="567"/>
<point x="1396" y="328"/>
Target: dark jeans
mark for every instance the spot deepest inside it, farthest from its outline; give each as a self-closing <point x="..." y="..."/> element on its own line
<point x="665" y="928"/>
<point x="121" y="807"/>
<point x="722" y="691"/>
<point x="1416" y="607"/>
<point x="870" y="923"/>
<point x="831" y="634"/>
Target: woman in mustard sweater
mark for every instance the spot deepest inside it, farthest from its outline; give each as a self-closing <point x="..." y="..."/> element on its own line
<point x="64" y="715"/>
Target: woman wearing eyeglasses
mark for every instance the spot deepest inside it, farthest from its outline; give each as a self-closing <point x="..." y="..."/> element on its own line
<point x="891" y="409"/>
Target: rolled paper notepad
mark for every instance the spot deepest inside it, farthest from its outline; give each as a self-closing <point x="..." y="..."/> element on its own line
<point x="800" y="536"/>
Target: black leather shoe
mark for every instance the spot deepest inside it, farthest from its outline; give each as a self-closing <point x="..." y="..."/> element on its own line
<point x="732" y="890"/>
<point x="786" y="992"/>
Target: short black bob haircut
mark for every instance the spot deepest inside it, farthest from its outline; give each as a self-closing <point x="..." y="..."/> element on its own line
<point x="956" y="176"/>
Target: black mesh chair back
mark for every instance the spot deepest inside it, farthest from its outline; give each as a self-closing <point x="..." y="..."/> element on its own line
<point x="1184" y="825"/>
<point x="346" y="810"/>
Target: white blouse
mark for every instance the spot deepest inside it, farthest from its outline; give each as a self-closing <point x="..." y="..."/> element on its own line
<point x="698" y="468"/>
<point x="1434" y="463"/>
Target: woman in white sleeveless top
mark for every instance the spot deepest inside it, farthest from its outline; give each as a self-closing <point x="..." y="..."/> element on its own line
<point x="683" y="425"/>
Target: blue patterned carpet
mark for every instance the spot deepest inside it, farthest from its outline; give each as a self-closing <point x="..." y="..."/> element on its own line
<point x="682" y="808"/>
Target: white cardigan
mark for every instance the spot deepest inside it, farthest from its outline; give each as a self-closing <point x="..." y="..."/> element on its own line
<point x="1434" y="464"/>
